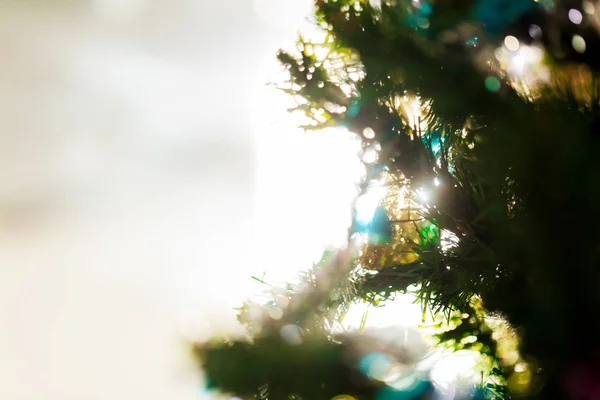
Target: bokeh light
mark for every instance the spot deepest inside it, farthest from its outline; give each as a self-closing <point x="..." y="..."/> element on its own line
<point x="376" y="366"/>
<point x="511" y="43"/>
<point x="291" y="334"/>
<point x="369" y="133"/>
<point x="578" y="44"/>
<point x="492" y="84"/>
<point x="575" y="16"/>
<point x="535" y="32"/>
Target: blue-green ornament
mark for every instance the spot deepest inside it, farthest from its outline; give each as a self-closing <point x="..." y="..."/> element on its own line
<point x="497" y="15"/>
<point x="419" y="17"/>
<point x="209" y="385"/>
<point x="434" y="140"/>
<point x="414" y="390"/>
<point x="378" y="229"/>
<point x="353" y="108"/>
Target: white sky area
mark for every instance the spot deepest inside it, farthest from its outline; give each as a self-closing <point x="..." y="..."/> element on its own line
<point x="145" y="174"/>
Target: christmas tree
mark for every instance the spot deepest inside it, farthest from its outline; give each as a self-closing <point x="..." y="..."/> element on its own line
<point x="479" y="121"/>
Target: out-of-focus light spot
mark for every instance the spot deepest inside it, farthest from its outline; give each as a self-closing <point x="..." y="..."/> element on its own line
<point x="343" y="397"/>
<point x="375" y="3"/>
<point x="282" y="301"/>
<point x="369" y="156"/>
<point x="355" y="76"/>
<point x="448" y="368"/>
<point x="291" y="334"/>
<point x="525" y="65"/>
<point x="511" y="43"/>
<point x="423" y="23"/>
<point x="366" y="204"/>
<point x="519" y="381"/>
<point x="517" y="64"/>
<point x="533" y="53"/>
<point x="394" y="374"/>
<point x="523" y="60"/>
<point x="330" y="107"/>
<point x="575" y="16"/>
<point x="436" y="182"/>
<point x="492" y="84"/>
<point x="588" y="7"/>
<point x="275" y="313"/>
<point x="423" y="195"/>
<point x="520" y="367"/>
<point x="369" y="133"/>
<point x="535" y="32"/>
<point x="500" y="53"/>
<point x="544" y="74"/>
<point x="469" y="339"/>
<point x="376" y="366"/>
<point x="405" y="382"/>
<point x="511" y="357"/>
<point x="578" y="44"/>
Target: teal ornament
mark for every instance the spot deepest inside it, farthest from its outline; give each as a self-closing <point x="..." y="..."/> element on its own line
<point x="418" y="19"/>
<point x="412" y="387"/>
<point x="434" y="141"/>
<point x="353" y="109"/>
<point x="209" y="385"/>
<point x="376" y="365"/>
<point x="497" y="15"/>
<point x="378" y="228"/>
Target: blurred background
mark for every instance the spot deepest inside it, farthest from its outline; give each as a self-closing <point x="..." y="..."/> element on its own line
<point x="140" y="189"/>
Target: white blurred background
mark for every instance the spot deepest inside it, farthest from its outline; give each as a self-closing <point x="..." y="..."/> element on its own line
<point x="130" y="133"/>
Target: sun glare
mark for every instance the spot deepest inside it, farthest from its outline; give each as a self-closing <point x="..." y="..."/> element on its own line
<point x="305" y="185"/>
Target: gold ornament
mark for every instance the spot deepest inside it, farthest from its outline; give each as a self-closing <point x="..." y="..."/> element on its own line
<point x="406" y="224"/>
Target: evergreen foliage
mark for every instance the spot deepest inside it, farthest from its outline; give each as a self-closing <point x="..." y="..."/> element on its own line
<point x="508" y="232"/>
